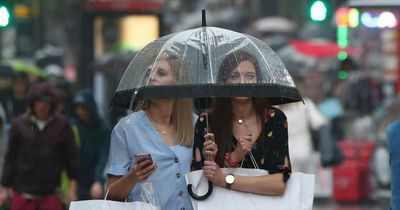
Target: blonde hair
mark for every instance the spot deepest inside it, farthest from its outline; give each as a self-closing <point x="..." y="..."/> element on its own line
<point x="182" y="117"/>
<point x="182" y="111"/>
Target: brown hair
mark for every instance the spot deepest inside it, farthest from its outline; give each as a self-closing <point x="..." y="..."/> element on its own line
<point x="42" y="91"/>
<point x="222" y="112"/>
<point x="232" y="60"/>
<point x="222" y="119"/>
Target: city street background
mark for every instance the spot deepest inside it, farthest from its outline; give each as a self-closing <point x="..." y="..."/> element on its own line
<point x="343" y="54"/>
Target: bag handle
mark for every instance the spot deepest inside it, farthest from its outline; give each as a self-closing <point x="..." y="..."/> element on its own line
<point x="253" y="160"/>
<point x="105" y="196"/>
<point x="108" y="190"/>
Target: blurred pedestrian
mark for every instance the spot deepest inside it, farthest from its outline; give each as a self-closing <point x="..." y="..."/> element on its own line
<point x="94" y="142"/>
<point x="17" y="104"/>
<point x="3" y="134"/>
<point x="41" y="145"/>
<point x="303" y="120"/>
<point x="360" y="94"/>
<point x="64" y="96"/>
<point x="393" y="137"/>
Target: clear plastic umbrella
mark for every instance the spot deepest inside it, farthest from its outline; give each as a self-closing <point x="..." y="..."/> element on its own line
<point x="196" y="57"/>
<point x="202" y="62"/>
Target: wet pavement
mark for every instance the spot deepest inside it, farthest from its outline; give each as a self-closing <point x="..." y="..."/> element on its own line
<point x="379" y="203"/>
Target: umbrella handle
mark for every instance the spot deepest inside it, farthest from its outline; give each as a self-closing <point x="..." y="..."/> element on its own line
<point x="200" y="197"/>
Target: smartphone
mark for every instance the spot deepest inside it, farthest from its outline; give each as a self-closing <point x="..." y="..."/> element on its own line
<point x="144" y="157"/>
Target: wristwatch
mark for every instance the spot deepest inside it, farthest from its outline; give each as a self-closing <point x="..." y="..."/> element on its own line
<point x="229" y="180"/>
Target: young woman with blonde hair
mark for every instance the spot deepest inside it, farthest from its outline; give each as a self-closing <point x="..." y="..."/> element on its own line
<point x="163" y="129"/>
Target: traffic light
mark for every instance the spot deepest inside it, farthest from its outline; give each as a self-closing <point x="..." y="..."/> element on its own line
<point x="319" y="10"/>
<point x="5" y="16"/>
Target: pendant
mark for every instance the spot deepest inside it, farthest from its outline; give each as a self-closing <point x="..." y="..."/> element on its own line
<point x="240" y="121"/>
<point x="161" y="132"/>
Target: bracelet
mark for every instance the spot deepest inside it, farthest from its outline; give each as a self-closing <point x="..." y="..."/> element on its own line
<point x="229" y="161"/>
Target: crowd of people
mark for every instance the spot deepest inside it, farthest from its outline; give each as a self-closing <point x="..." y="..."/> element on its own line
<point x="53" y="149"/>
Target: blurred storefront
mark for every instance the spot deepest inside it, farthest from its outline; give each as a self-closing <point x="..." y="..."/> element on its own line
<point x="113" y="31"/>
<point x="374" y="27"/>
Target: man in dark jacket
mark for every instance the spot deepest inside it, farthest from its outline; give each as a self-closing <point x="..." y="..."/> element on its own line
<point x="94" y="144"/>
<point x="41" y="145"/>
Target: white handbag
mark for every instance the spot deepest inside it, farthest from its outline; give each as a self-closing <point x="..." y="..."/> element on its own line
<point x="299" y="193"/>
<point x="110" y="205"/>
<point x="98" y="204"/>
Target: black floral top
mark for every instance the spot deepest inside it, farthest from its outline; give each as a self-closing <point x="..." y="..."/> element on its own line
<point x="269" y="150"/>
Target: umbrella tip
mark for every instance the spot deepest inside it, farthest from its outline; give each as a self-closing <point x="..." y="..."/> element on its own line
<point x="203" y="18"/>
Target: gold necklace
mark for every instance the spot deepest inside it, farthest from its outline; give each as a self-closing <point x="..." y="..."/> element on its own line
<point x="156" y="125"/>
<point x="240" y="121"/>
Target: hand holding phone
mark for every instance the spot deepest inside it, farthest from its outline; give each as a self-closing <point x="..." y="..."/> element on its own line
<point x="144" y="160"/>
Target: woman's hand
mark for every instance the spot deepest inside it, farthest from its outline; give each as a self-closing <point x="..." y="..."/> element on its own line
<point x="214" y="173"/>
<point x="96" y="190"/>
<point x="210" y="149"/>
<point x="243" y="147"/>
<point x="4" y="195"/>
<point x="72" y="190"/>
<point x="143" y="168"/>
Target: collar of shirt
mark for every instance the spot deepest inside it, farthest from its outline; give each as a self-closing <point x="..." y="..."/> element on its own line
<point x="41" y="124"/>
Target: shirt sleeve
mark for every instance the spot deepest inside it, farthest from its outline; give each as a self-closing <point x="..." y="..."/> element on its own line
<point x="119" y="160"/>
<point x="280" y="147"/>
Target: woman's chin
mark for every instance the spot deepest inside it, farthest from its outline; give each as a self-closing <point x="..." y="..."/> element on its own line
<point x="241" y="99"/>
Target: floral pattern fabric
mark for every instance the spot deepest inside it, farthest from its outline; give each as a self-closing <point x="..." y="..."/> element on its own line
<point x="269" y="150"/>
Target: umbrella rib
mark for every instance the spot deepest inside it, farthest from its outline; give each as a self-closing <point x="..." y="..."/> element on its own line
<point x="209" y="60"/>
<point x="203" y="36"/>
<point x="265" y="61"/>
<point x="185" y="51"/>
<point x="158" y="55"/>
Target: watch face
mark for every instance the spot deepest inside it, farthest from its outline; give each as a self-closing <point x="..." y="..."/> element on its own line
<point x="229" y="179"/>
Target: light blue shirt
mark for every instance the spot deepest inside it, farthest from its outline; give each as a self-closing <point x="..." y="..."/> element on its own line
<point x="134" y="134"/>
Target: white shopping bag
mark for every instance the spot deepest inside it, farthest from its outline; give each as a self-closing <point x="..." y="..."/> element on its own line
<point x="147" y="194"/>
<point x="110" y="205"/>
<point x="299" y="194"/>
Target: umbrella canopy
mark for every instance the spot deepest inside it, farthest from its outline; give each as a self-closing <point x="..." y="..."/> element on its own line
<point x="300" y="56"/>
<point x="317" y="31"/>
<point x="20" y="66"/>
<point x="196" y="57"/>
<point x="320" y="48"/>
<point x="274" y="24"/>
